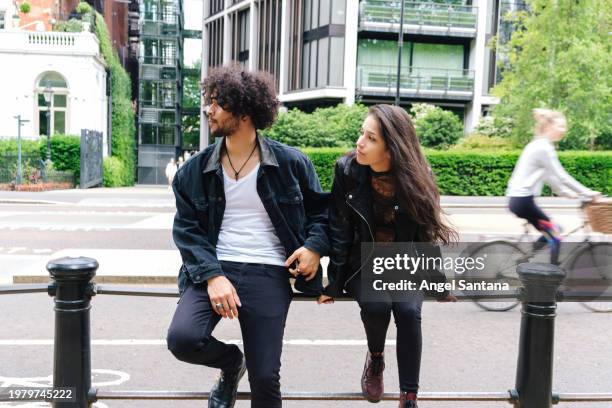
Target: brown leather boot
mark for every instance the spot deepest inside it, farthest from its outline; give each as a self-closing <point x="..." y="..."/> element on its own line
<point x="372" y="377"/>
<point x="408" y="400"/>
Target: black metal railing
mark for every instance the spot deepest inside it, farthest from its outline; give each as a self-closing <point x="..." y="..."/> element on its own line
<point x="72" y="288"/>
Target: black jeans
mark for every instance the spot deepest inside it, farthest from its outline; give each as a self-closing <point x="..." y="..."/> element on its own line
<point x="526" y="208"/>
<point x="265" y="294"/>
<point x="406" y="309"/>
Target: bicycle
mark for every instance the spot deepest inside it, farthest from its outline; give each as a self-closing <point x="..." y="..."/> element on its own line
<point x="587" y="255"/>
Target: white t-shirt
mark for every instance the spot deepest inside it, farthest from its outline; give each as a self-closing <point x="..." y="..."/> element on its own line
<point x="247" y="234"/>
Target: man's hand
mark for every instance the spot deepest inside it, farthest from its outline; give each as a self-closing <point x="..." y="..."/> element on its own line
<point x="307" y="263"/>
<point x="223" y="297"/>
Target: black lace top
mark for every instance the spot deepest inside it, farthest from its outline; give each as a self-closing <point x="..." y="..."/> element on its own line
<point x="383" y="202"/>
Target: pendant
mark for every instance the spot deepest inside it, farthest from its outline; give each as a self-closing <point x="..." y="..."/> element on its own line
<point x="236" y="175"/>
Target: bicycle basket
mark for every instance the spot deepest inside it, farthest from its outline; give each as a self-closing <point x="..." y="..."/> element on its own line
<point x="600" y="215"/>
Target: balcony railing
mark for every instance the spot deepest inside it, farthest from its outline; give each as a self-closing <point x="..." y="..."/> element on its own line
<point x="420" y="14"/>
<point x="382" y="79"/>
<point x="55" y="42"/>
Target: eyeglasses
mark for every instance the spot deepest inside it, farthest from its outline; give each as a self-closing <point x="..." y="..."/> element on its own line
<point x="214" y="103"/>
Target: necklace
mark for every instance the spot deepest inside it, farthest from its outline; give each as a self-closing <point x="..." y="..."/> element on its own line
<point x="237" y="172"/>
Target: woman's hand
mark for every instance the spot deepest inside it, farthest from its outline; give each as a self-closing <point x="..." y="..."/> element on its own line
<point x="448" y="298"/>
<point x="325" y="300"/>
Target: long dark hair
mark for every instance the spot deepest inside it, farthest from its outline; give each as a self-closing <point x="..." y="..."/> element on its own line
<point x="417" y="191"/>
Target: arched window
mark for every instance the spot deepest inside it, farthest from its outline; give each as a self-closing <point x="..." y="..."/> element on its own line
<point x="52" y="99"/>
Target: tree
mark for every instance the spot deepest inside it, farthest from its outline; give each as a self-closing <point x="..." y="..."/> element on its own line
<point x="559" y="58"/>
<point x="191" y="103"/>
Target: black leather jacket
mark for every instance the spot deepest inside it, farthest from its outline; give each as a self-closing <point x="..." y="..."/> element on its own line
<point x="289" y="190"/>
<point x="351" y="224"/>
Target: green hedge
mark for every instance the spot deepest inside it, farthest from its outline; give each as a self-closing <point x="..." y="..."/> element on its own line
<point x="122" y="119"/>
<point x="28" y="147"/>
<point x="483" y="173"/>
<point x="65" y="153"/>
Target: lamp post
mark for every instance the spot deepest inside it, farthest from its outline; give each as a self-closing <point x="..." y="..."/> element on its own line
<point x="400" y="45"/>
<point x="20" y="123"/>
<point x="48" y="93"/>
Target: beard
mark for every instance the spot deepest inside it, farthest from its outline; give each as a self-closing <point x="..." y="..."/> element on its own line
<point x="227" y="127"/>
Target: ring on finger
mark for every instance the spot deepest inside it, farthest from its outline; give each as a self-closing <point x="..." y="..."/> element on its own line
<point x="219" y="305"/>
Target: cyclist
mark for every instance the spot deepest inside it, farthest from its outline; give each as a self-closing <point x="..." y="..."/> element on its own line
<point x="537" y="164"/>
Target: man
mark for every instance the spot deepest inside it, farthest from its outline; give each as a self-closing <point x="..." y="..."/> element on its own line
<point x="250" y="213"/>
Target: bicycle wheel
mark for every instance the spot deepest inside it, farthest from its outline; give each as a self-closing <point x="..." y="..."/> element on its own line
<point x="594" y="262"/>
<point x="502" y="258"/>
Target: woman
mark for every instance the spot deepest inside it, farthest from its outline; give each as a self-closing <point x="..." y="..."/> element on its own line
<point x="537" y="164"/>
<point x="384" y="192"/>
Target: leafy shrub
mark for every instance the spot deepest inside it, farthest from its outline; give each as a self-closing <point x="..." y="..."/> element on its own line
<point x="25" y="7"/>
<point x="65" y="153"/>
<point x="83" y="8"/>
<point x="71" y="26"/>
<point x="436" y="127"/>
<point x="115" y="173"/>
<point x="492" y="126"/>
<point x="325" y="127"/>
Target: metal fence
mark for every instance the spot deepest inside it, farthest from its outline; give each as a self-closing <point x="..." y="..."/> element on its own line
<point x="72" y="288"/>
<point x="33" y="171"/>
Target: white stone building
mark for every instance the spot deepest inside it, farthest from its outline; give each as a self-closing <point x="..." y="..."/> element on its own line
<point x="69" y="63"/>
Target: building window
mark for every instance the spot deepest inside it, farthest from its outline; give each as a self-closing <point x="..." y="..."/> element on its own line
<point x="2" y="16"/>
<point x="57" y="106"/>
<point x="215" y="42"/>
<point x="316" y="45"/>
<point x="240" y="36"/>
<point x="269" y="37"/>
<point x="216" y="6"/>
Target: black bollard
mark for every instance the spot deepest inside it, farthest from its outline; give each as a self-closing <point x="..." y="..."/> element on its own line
<point x="72" y="289"/>
<point x="534" y="373"/>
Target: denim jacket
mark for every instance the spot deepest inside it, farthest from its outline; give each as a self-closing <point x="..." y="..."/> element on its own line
<point x="289" y="189"/>
<point x="351" y="223"/>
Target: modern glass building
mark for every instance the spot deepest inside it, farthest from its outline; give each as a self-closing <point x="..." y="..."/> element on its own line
<point x="162" y="76"/>
<point x="324" y="52"/>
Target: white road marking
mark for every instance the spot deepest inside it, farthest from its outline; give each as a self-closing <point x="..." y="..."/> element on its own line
<point x="15" y="249"/>
<point x="100" y="377"/>
<point x="162" y="342"/>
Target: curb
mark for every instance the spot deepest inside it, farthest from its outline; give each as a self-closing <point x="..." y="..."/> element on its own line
<point x="551" y="206"/>
<point x="157" y="280"/>
<point x="24" y="201"/>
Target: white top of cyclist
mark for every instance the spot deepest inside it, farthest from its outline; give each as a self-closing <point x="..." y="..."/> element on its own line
<point x="538" y="164"/>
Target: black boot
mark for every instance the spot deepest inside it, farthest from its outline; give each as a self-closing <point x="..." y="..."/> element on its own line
<point x="225" y="390"/>
<point x="408" y="400"/>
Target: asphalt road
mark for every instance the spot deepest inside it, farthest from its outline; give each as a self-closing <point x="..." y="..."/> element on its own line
<point x="465" y="349"/>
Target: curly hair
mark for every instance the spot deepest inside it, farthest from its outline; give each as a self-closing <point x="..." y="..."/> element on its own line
<point x="243" y="93"/>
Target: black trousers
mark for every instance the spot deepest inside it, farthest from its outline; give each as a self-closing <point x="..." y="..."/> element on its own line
<point x="265" y="294"/>
<point x="406" y="309"/>
<point x="526" y="208"/>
